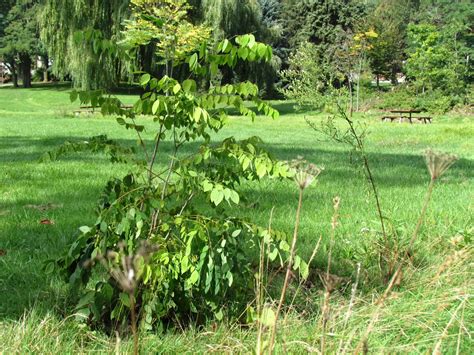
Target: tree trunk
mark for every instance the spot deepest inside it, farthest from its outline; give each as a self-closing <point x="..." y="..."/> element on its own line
<point x="25" y="61"/>
<point x="358" y="84"/>
<point x="351" y="99"/>
<point x="15" y="78"/>
<point x="11" y="65"/>
<point x="14" y="74"/>
<point x="393" y="77"/>
<point x="46" y="67"/>
<point x="378" y="82"/>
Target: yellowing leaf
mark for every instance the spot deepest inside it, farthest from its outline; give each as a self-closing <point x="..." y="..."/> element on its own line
<point x="268" y="317"/>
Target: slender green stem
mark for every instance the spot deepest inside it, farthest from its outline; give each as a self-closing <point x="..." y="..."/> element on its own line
<point x="288" y="269"/>
<point x="155" y="152"/>
<point x="260" y="286"/>
<point x="397" y="273"/>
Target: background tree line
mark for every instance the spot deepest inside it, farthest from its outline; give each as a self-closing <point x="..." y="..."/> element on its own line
<point x="319" y="45"/>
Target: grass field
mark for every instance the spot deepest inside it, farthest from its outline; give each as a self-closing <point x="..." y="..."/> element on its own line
<point x="433" y="304"/>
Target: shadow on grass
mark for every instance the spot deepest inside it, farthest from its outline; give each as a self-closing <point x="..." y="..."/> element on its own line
<point x="389" y="169"/>
<point x="62" y="86"/>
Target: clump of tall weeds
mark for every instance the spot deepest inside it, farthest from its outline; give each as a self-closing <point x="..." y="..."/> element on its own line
<point x="437" y="164"/>
<point x="331" y="316"/>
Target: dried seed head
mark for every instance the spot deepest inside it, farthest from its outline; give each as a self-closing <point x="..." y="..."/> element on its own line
<point x="305" y="173"/>
<point x="125" y="269"/>
<point x="438" y="163"/>
<point x="336" y="202"/>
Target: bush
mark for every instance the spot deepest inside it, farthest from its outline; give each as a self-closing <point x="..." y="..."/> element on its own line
<point x="172" y="248"/>
<point x="406" y="98"/>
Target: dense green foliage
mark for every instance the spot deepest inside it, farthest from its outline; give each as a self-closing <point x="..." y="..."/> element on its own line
<point x="392" y="39"/>
<point x="19" y="38"/>
<point x="90" y="49"/>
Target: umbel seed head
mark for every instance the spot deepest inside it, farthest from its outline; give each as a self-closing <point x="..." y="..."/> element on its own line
<point x="305" y="173"/>
<point x="438" y="163"/>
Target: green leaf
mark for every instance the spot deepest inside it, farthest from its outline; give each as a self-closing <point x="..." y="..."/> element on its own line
<point x="147" y="274"/>
<point x="145" y="79"/>
<point x="189" y="85"/>
<point x="176" y="88"/>
<point x="304" y="269"/>
<point x="274" y="253"/>
<point x="268" y="317"/>
<point x="207" y="186"/>
<point x="125" y="299"/>
<point x="246" y="162"/>
<point x="234" y="196"/>
<point x="251" y="40"/>
<point x="197" y="113"/>
<point x="85" y="229"/>
<point x="217" y="195"/>
<point x="230" y="278"/>
<point x="243" y="53"/>
<point x="284" y="246"/>
<point x="156" y="106"/>
<point x="226" y="45"/>
<point x="261" y="169"/>
<point x="193" y="61"/>
<point x="219" y="315"/>
<point x="184" y="264"/>
<point x="194" y="277"/>
<point x="244" y="40"/>
<point x="297" y="262"/>
<point x="236" y="233"/>
<point x="261" y="50"/>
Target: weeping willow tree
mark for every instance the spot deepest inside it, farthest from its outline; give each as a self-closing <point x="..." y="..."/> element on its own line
<point x="230" y="18"/>
<point x="80" y="36"/>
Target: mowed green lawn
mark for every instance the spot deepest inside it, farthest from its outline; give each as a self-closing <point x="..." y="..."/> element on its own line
<point x="34" y="309"/>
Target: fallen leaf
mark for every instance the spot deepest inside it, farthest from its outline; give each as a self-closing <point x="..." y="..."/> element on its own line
<point x="46" y="221"/>
<point x="2" y="252"/>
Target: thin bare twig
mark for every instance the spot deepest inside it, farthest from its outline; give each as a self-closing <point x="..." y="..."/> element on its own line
<point x="155" y="152"/>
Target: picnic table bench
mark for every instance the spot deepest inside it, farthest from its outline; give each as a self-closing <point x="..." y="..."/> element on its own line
<point x="403" y="114"/>
<point x="92" y="109"/>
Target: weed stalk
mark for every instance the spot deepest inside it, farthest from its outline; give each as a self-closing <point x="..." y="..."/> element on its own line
<point x="288" y="269"/>
<point x="437" y="164"/>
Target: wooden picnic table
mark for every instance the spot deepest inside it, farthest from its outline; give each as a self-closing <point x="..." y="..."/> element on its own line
<point x="410" y="112"/>
<point x="92" y="109"/>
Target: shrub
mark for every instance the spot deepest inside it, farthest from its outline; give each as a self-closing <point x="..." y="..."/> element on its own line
<point x="201" y="263"/>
